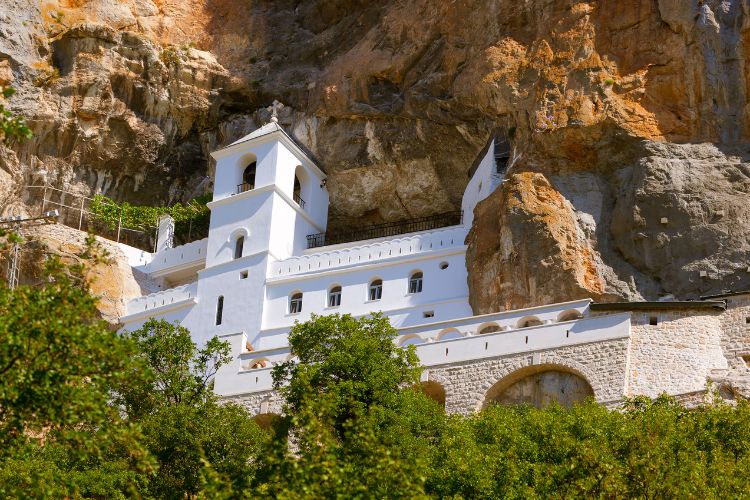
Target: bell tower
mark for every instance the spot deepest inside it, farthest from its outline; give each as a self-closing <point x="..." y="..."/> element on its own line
<point x="268" y="196"/>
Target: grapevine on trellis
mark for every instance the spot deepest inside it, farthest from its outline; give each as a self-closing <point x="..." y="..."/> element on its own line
<point x="193" y="217"/>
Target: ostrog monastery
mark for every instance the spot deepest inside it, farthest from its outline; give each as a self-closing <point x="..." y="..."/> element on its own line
<point x="268" y="262"/>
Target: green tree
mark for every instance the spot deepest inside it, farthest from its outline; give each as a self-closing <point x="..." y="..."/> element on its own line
<point x="358" y="427"/>
<point x="59" y="434"/>
<point x="196" y="441"/>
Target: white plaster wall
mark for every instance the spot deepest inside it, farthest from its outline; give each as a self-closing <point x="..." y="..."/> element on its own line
<point x="229" y="168"/>
<point x="184" y="255"/>
<point x="248" y="213"/>
<point x="355" y="281"/>
<point x="312" y="191"/>
<point x="480" y="185"/>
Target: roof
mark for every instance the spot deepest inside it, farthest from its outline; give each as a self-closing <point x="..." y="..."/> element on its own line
<point x="270" y="128"/>
<point x="663" y="305"/>
<point x="266" y="129"/>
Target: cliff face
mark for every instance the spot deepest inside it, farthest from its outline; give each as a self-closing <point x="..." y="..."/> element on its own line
<point x="620" y="115"/>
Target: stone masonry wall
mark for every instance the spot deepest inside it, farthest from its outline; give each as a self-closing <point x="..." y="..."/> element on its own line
<point x="604" y="365"/>
<point x="677" y="355"/>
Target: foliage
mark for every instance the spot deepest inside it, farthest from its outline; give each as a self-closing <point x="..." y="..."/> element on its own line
<point x="352" y="362"/>
<point x="650" y="450"/>
<point x="359" y="428"/>
<point x="59" y="434"/>
<point x="192" y="437"/>
<point x="190" y="218"/>
<point x="12" y="126"/>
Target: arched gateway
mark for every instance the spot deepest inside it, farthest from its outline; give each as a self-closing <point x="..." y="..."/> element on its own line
<point x="539" y="386"/>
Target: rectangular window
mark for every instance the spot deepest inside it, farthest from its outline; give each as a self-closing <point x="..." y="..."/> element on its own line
<point x="376" y="291"/>
<point x="428" y="314"/>
<point x="219" y="309"/>
<point x="243" y="275"/>
<point x="334" y="299"/>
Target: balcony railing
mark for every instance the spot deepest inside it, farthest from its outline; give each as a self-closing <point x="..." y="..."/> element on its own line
<point x="241" y="188"/>
<point x="387" y="229"/>
<point x="299" y="201"/>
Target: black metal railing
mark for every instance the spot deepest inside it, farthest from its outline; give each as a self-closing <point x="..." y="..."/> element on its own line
<point x="241" y="188"/>
<point x="299" y="201"/>
<point x="387" y="229"/>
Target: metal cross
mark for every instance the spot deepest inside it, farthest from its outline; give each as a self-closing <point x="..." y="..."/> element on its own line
<point x="274" y="108"/>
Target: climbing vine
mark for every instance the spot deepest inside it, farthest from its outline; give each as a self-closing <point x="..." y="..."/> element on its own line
<point x="191" y="219"/>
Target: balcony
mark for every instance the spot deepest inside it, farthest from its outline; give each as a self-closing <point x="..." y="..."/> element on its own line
<point x="241" y="188"/>
<point x="386" y="229"/>
<point x="299" y="201"/>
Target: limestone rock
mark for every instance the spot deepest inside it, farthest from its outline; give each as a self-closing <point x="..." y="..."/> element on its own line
<point x="112" y="281"/>
<point x="395" y="99"/>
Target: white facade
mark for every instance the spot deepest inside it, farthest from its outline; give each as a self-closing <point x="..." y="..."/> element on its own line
<point x="249" y="293"/>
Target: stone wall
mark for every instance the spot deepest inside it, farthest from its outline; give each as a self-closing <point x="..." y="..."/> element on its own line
<point x="677" y="355"/>
<point x="680" y="355"/>
<point x="603" y="365"/>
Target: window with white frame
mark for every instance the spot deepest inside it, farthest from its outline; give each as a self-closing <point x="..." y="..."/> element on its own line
<point x="415" y="282"/>
<point x="295" y="303"/>
<point x="376" y="289"/>
<point x="334" y="296"/>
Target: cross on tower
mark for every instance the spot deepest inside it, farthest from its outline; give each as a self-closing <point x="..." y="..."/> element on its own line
<point x="274" y="108"/>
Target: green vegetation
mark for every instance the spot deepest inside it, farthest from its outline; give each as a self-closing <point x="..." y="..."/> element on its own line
<point x="12" y="126"/>
<point x="88" y="412"/>
<point x="192" y="218"/>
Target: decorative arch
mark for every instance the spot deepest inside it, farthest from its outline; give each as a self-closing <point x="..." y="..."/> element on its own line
<point x="569" y="315"/>
<point x="411" y="339"/>
<point x="448" y="334"/>
<point x="258" y="363"/>
<point x="539" y="386"/>
<point x="528" y="321"/>
<point x="489" y="327"/>
<point x="301" y="187"/>
<point x="435" y="391"/>
<point x="248" y="167"/>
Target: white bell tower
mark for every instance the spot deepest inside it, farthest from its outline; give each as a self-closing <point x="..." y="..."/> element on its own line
<point x="268" y="197"/>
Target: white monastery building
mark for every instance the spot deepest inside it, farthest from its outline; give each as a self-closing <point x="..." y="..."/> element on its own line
<point x="269" y="262"/>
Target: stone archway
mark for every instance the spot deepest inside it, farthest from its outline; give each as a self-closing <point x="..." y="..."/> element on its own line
<point x="539" y="386"/>
<point x="434" y="391"/>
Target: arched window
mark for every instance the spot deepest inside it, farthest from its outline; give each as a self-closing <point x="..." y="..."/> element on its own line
<point x="301" y="183"/>
<point x="334" y="296"/>
<point x="528" y="321"/>
<point x="295" y="303"/>
<point x="219" y="309"/>
<point x="415" y="282"/>
<point x="491" y="328"/>
<point x="376" y="289"/>
<point x="570" y="315"/>
<point x="238" y="244"/>
<point x="248" y="178"/>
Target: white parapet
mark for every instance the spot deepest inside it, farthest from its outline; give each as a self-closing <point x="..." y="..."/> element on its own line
<point x="358" y="253"/>
<point x="159" y="301"/>
<point x="457" y="341"/>
<point x="191" y="254"/>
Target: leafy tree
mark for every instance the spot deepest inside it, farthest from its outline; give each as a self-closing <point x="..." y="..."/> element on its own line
<point x="358" y="427"/>
<point x="59" y="434"/>
<point x="196" y="441"/>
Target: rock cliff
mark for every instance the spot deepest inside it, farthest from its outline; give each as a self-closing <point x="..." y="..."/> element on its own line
<point x="628" y="122"/>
